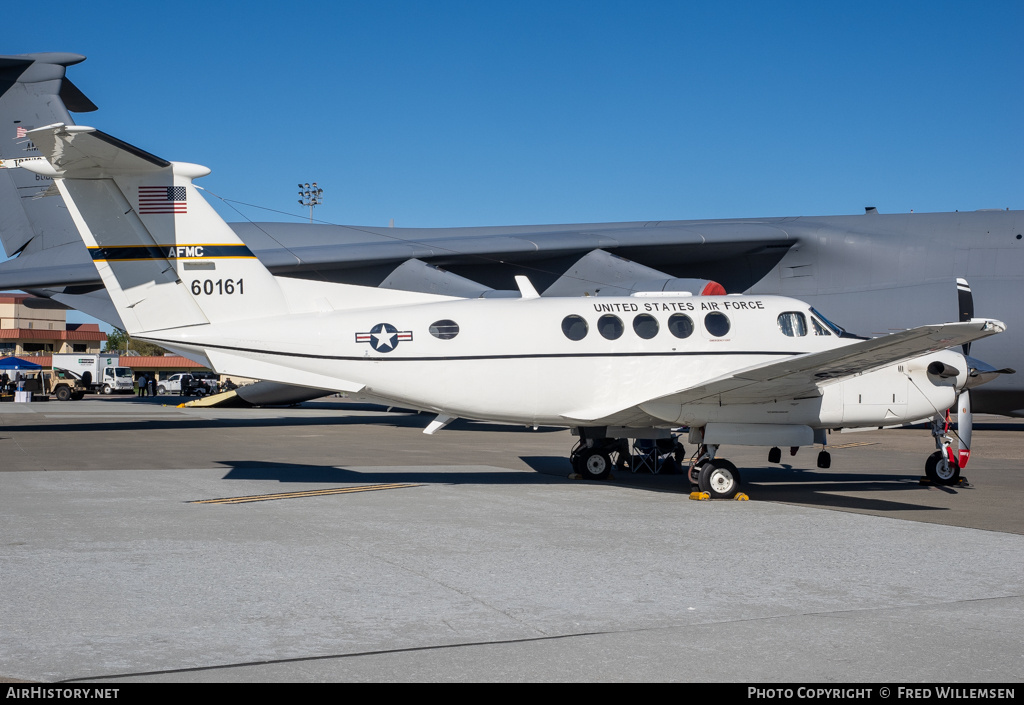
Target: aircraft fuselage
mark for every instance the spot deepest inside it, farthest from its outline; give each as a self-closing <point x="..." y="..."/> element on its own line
<point x="577" y="362"/>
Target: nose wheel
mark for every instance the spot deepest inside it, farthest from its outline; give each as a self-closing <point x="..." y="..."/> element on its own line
<point x="941" y="469"/>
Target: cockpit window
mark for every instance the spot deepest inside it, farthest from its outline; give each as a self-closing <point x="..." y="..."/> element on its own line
<point x="793" y="324"/>
<point x="837" y="330"/>
<point x="819" y="327"/>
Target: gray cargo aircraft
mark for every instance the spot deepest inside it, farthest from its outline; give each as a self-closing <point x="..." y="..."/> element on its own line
<point x="873" y="273"/>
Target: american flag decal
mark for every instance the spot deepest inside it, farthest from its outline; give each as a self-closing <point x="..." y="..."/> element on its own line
<point x="20" y="132"/>
<point x="162" y="199"/>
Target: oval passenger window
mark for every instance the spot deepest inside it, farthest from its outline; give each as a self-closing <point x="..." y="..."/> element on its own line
<point x="610" y="326"/>
<point x="680" y="325"/>
<point x="444" y="329"/>
<point x="574" y="327"/>
<point x="646" y="326"/>
<point x="717" y="324"/>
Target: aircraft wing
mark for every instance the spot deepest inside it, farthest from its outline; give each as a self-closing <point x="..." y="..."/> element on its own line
<point x="801" y="376"/>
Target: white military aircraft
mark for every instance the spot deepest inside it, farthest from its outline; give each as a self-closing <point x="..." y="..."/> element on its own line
<point x="747" y="370"/>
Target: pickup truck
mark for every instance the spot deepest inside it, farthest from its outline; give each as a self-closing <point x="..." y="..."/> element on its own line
<point x="189" y="384"/>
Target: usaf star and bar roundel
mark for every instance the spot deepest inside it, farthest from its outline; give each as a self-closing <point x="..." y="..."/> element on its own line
<point x="384" y="337"/>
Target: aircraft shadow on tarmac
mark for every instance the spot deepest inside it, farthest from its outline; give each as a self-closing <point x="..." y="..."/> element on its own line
<point x="443" y="474"/>
<point x="782" y="484"/>
<point x="805" y="487"/>
<point x="790" y="485"/>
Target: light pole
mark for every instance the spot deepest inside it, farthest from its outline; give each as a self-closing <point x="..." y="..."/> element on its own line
<point x="310" y="195"/>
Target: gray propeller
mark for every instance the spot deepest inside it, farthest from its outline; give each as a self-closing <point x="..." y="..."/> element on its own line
<point x="964" y="417"/>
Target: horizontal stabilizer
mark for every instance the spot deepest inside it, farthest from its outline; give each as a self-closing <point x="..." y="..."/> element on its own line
<point x="78" y="152"/>
<point x="233" y="364"/>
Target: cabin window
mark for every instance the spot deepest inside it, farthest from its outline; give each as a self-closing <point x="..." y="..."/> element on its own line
<point x="680" y="325"/>
<point x="717" y="324"/>
<point x="610" y="326"/>
<point x="574" y="327"/>
<point x="646" y="326"/>
<point x="444" y="329"/>
<point x="793" y="324"/>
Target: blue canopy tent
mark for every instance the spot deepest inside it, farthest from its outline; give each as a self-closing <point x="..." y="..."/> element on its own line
<point x="16" y="363"/>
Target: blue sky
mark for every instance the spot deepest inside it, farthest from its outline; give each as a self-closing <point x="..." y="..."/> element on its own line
<point x="479" y="113"/>
<point x="456" y="113"/>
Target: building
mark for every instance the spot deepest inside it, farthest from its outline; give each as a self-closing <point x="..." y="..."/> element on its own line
<point x="32" y="329"/>
<point x="28" y="330"/>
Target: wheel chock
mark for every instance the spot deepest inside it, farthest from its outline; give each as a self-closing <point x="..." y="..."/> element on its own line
<point x="706" y="497"/>
<point x="927" y="482"/>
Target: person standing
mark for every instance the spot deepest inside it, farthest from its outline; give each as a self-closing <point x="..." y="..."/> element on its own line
<point x="142" y="385"/>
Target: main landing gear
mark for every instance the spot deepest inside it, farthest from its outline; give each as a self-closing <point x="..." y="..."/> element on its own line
<point x="716" y="476"/>
<point x="594" y="458"/>
<point x="720" y="478"/>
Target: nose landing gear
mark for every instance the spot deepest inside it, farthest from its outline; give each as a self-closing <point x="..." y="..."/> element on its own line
<point x="942" y="467"/>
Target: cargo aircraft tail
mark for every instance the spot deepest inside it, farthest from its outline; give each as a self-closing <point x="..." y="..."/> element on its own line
<point x="34" y="91"/>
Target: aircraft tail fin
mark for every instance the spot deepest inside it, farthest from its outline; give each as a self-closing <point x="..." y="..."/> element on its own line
<point x="166" y="258"/>
<point x="34" y="91"/>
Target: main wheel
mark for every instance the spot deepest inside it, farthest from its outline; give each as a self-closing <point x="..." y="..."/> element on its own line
<point x="941" y="470"/>
<point x="63" y="393"/>
<point x="720" y="479"/>
<point x="595" y="464"/>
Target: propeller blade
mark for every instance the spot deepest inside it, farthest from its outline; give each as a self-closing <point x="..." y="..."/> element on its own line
<point x="965" y="300"/>
<point x="964" y="422"/>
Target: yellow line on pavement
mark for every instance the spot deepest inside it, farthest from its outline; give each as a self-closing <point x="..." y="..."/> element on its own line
<point x="307" y="493"/>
